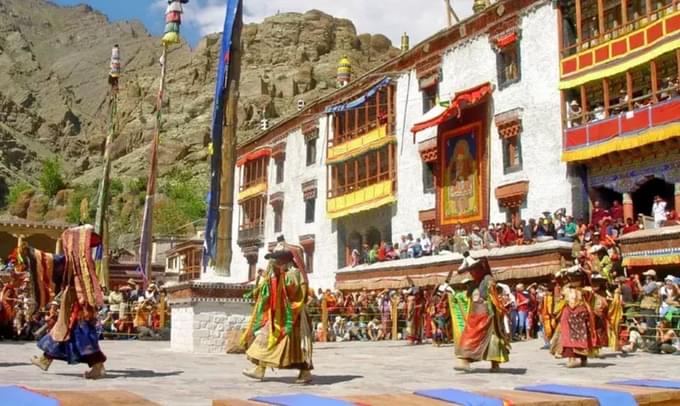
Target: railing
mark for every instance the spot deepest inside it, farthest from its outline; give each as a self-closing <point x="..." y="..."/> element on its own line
<point x="251" y="232"/>
<point x="190" y="273"/>
<point x="253" y="182"/>
<point x="619" y="31"/>
<point x="625" y="123"/>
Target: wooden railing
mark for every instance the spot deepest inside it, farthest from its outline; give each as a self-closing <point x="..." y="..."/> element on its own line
<point x="190" y="273"/>
<point x="251" y="232"/>
<point x="630" y="122"/>
<point x="619" y="31"/>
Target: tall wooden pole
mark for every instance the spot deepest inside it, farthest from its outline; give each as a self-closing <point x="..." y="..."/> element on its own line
<point x="223" y="252"/>
<point x="101" y="223"/>
<point x="146" y="239"/>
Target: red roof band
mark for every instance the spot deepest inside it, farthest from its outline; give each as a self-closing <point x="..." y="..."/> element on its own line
<point x="251" y="156"/>
<point x="460" y="101"/>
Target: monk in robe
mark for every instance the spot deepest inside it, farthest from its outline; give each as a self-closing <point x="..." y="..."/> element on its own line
<point x="72" y="277"/>
<point x="484" y="337"/>
<point x="280" y="330"/>
<point x="577" y="321"/>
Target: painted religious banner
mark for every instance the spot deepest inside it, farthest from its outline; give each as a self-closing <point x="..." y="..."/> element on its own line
<point x="461" y="193"/>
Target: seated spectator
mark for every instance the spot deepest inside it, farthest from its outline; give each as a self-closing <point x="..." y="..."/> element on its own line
<point x="382" y="252"/>
<point x="476" y="240"/>
<point x="403" y="247"/>
<point x="372" y="256"/>
<point x="356" y="257"/>
<point x="636" y="331"/>
<point x="426" y="244"/>
<point x="528" y="231"/>
<point x="666" y="338"/>
<point x="489" y="237"/>
<point x="392" y="251"/>
<point x="374" y="331"/>
<point x="417" y="249"/>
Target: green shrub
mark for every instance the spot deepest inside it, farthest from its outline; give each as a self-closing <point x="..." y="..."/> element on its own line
<point x="51" y="180"/>
<point x="14" y="193"/>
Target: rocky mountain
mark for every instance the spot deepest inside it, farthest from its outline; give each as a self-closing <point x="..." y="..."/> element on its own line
<point x="54" y="92"/>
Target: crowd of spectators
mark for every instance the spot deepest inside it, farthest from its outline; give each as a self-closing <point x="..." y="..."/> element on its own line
<point x="605" y="226"/>
<point x="128" y="311"/>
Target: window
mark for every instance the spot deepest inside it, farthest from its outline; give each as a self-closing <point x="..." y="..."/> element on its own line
<point x="309" y="210"/>
<point x="512" y="154"/>
<point x="278" y="219"/>
<point x="430" y="97"/>
<point x="279" y="170"/>
<point x="311" y="151"/>
<point x="508" y="65"/>
<point x="309" y="261"/>
<point x="428" y="178"/>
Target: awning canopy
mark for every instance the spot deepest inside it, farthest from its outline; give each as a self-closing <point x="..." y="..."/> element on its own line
<point x="460" y="101"/>
<point x="253" y="155"/>
<point x="360" y="100"/>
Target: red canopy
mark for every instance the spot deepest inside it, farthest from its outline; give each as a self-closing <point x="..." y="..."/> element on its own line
<point x="461" y="100"/>
<point x="253" y="155"/>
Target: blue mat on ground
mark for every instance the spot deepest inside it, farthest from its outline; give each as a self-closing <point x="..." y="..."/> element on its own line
<point x="650" y="383"/>
<point x="460" y="397"/>
<point x="605" y="397"/>
<point x="301" y="400"/>
<point x="17" y="396"/>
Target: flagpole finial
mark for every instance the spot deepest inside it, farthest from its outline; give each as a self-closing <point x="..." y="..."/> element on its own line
<point x="173" y="19"/>
<point x="114" y="74"/>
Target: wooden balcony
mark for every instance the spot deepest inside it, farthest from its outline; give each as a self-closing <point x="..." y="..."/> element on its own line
<point x="653" y="123"/>
<point x="192" y="273"/>
<point x="251" y="234"/>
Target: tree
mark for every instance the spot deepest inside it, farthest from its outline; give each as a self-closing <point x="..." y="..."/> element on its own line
<point x="51" y="180"/>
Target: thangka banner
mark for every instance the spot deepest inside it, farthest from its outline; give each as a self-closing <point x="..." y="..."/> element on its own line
<point x="221" y="91"/>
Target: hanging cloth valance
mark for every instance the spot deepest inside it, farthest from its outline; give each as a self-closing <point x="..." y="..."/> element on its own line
<point x="359" y="101"/>
<point x="460" y="101"/>
<point x="251" y="156"/>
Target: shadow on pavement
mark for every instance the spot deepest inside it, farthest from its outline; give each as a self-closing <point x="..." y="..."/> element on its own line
<point x="13" y="364"/>
<point x="319" y="380"/>
<point x="502" y="371"/>
<point x="132" y="373"/>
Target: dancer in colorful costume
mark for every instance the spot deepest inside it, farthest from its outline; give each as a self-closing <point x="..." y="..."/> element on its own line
<point x="459" y="305"/>
<point x="72" y="278"/>
<point x="415" y="312"/>
<point x="280" y="332"/>
<point x="577" y="322"/>
<point x="600" y="307"/>
<point x="484" y="337"/>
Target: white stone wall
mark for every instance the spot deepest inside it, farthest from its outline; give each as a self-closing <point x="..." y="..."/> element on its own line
<point x="473" y="62"/>
<point x="410" y="196"/>
<point x="202" y="327"/>
<point x="296" y="172"/>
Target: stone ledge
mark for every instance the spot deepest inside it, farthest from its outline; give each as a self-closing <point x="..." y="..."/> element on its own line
<point x="206" y="292"/>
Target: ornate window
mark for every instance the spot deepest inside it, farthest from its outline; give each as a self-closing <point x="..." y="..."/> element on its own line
<point x="510" y="128"/>
<point x="508" y="61"/>
<point x="310" y="146"/>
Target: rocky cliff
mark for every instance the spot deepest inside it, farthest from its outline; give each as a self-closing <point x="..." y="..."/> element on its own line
<point x="53" y="87"/>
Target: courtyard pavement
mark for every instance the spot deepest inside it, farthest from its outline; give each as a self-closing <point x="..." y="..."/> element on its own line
<point x="155" y="372"/>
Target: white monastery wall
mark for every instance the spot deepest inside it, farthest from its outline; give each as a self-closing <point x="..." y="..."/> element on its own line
<point x="410" y="196"/>
<point x="202" y="327"/>
<point x="473" y="62"/>
<point x="467" y="64"/>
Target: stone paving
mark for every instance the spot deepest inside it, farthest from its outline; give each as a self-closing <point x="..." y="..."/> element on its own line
<point x="152" y="370"/>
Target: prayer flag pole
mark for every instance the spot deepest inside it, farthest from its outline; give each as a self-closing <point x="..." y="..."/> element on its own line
<point x="101" y="223"/>
<point x="173" y="19"/>
<point x="218" y="235"/>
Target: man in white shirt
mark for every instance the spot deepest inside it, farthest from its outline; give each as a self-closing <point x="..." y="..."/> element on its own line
<point x="659" y="211"/>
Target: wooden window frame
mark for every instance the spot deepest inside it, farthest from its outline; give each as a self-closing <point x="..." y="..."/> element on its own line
<point x="430" y="95"/>
<point x="503" y="81"/>
<point x="310" y="218"/>
<point x="508" y="166"/>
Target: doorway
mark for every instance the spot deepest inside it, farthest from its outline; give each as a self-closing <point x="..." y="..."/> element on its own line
<point x="643" y="198"/>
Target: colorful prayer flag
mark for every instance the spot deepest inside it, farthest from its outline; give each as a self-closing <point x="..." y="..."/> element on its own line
<point x="221" y="92"/>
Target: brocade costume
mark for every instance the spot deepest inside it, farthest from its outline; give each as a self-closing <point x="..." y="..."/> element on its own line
<point x="484" y="337"/>
<point x="72" y="278"/>
<point x="280" y="332"/>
